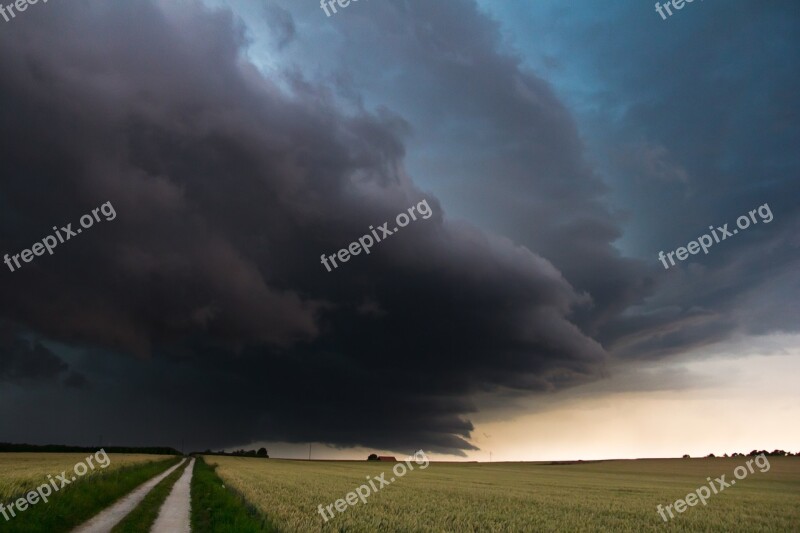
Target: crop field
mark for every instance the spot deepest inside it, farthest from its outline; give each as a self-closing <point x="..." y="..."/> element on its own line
<point x="587" y="496"/>
<point x="80" y="496"/>
<point x="22" y="472"/>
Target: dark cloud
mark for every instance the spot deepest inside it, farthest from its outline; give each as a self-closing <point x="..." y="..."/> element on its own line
<point x="280" y="23"/>
<point x="77" y="381"/>
<point x="202" y="310"/>
<point x="226" y="192"/>
<point x="690" y="125"/>
<point x="507" y="150"/>
<point x="26" y="361"/>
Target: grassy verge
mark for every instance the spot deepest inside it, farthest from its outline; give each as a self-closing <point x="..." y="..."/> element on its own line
<point x="220" y="510"/>
<point x="145" y="514"/>
<point x="83" y="499"/>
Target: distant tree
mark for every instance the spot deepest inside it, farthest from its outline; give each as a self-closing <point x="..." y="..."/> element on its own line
<point x="262" y="452"/>
<point x="710" y="456"/>
<point x="372" y="457"/>
<point x="686" y="456"/>
<point x="726" y="455"/>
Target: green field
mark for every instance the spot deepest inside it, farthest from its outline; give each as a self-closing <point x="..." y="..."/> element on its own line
<point x="589" y="496"/>
<point x="22" y="472"/>
<point x="75" y="503"/>
<point x="217" y="509"/>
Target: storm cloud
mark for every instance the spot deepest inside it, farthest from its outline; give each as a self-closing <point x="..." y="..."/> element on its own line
<point x="204" y="306"/>
<point x="227" y="190"/>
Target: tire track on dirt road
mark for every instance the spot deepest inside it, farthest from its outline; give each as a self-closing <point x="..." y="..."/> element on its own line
<point x="174" y="515"/>
<point x="111" y="516"/>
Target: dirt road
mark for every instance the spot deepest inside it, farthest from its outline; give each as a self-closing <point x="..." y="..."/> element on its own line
<point x="174" y="514"/>
<point x="107" y="519"/>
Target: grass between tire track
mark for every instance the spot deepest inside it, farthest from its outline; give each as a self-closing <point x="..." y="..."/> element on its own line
<point x="216" y="509"/>
<point x="83" y="499"/>
<point x="144" y="515"/>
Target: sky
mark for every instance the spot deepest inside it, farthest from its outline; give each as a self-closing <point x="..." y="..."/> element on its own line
<point x="553" y="152"/>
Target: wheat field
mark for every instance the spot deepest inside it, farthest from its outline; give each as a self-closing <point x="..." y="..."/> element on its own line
<point x="23" y="472"/>
<point x="588" y="496"/>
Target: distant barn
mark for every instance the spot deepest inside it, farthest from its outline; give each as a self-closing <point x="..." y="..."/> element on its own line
<point x="389" y="458"/>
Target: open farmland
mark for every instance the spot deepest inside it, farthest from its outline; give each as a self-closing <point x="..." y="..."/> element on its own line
<point x="589" y="496"/>
<point x="79" y="496"/>
<point x="22" y="472"/>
